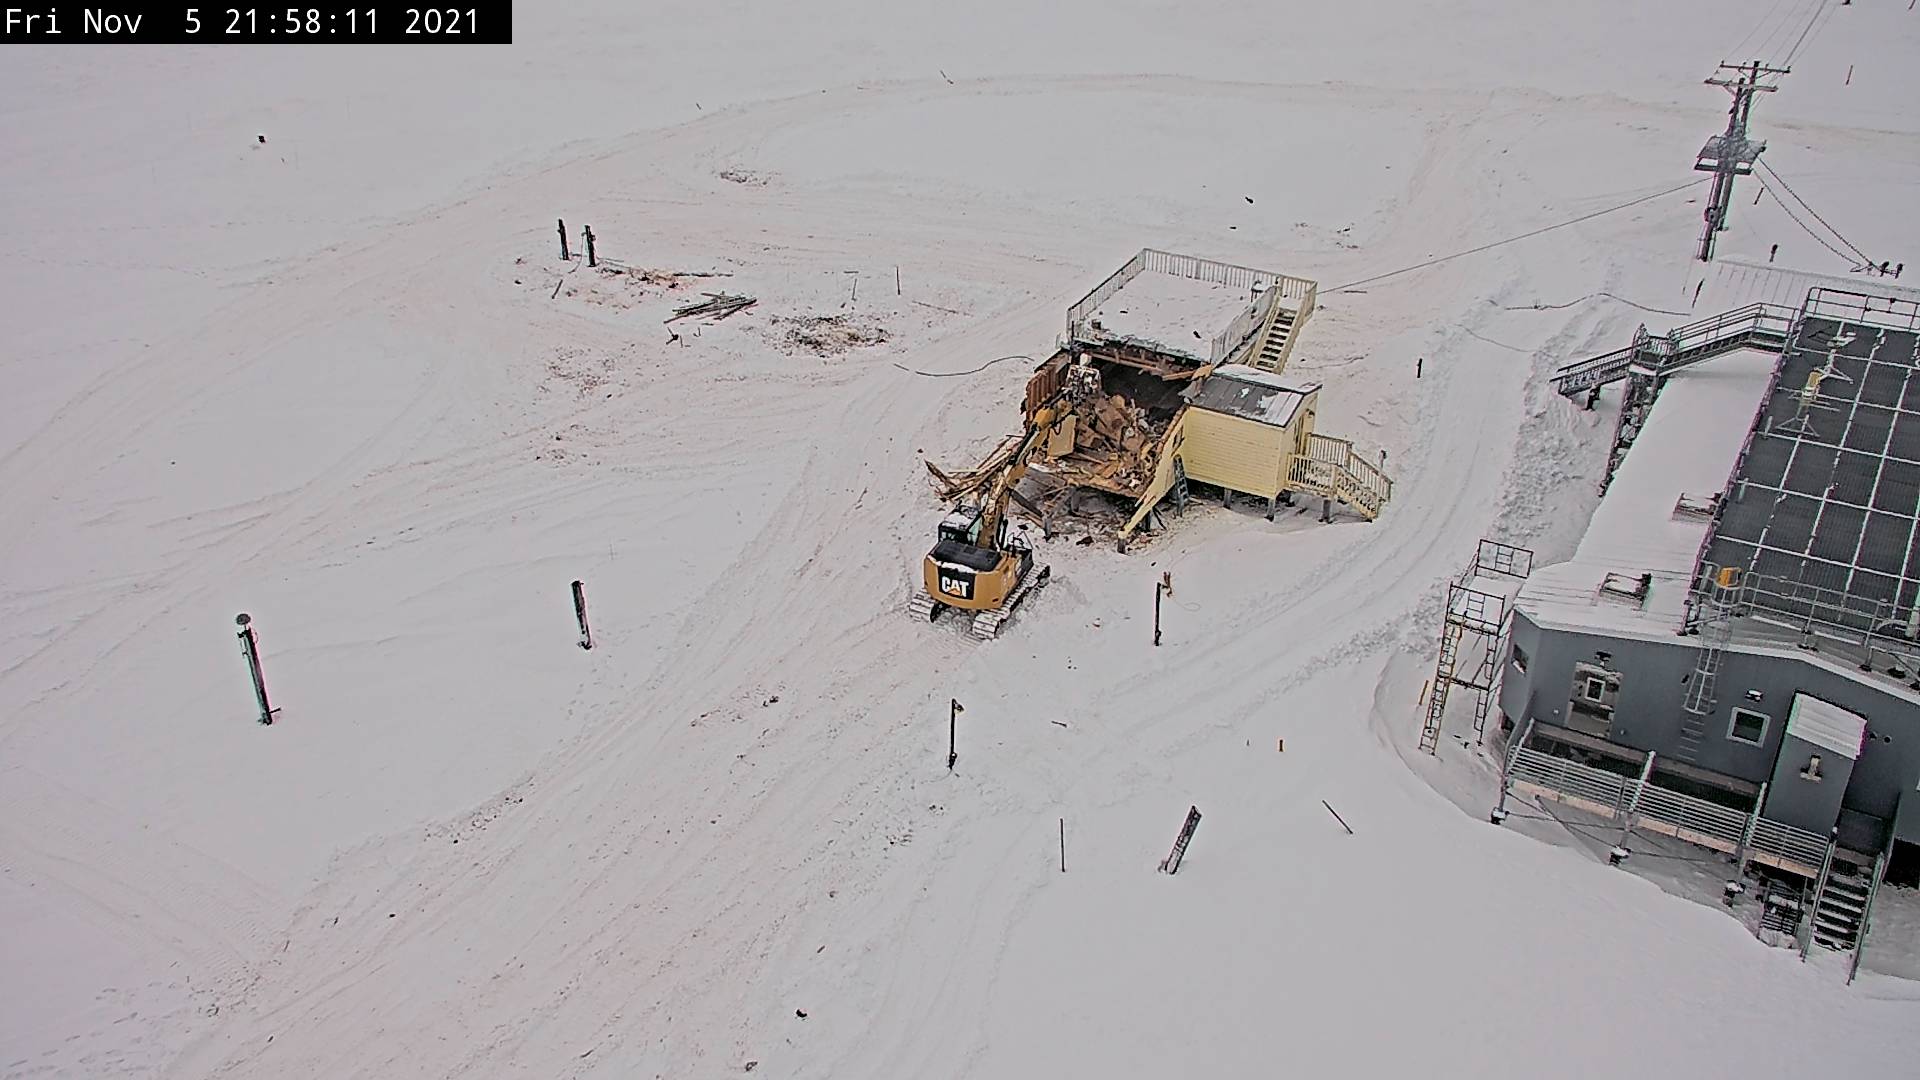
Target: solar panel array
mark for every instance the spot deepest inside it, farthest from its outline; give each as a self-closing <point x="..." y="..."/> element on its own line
<point x="1827" y="496"/>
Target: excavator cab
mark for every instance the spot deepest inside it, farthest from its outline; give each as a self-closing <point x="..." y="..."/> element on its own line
<point x="975" y="566"/>
<point x="969" y="572"/>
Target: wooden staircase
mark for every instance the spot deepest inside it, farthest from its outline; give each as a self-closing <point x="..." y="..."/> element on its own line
<point x="1276" y="342"/>
<point x="1328" y="467"/>
<point x="1288" y="304"/>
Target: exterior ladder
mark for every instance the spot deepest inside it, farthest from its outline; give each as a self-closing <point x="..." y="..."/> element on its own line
<point x="1491" y="664"/>
<point x="1442" y="679"/>
<point x="1715" y="634"/>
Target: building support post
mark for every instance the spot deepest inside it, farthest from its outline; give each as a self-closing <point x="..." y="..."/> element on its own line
<point x="953" y="731"/>
<point x="1506" y="773"/>
<point x="1746" y="835"/>
<point x="1633" y="804"/>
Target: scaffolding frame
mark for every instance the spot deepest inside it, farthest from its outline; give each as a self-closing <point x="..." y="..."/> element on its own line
<point x="1488" y="617"/>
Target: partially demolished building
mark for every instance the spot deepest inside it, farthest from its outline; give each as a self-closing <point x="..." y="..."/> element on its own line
<point x="1171" y="372"/>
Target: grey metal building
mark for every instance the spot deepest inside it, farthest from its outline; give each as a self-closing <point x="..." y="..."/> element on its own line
<point x="1730" y="656"/>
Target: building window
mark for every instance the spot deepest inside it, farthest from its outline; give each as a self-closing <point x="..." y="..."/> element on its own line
<point x="1595" y="689"/>
<point x="1748" y="727"/>
<point x="1520" y="658"/>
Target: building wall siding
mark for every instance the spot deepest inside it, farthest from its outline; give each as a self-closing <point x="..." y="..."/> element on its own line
<point x="1652" y="694"/>
<point x="1235" y="453"/>
<point x="1808" y="804"/>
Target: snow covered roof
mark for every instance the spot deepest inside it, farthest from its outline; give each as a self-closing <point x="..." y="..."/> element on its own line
<point x="1827" y="725"/>
<point x="1172" y="314"/>
<point x="1242" y="391"/>
<point x="1687" y="447"/>
<point x="1731" y="282"/>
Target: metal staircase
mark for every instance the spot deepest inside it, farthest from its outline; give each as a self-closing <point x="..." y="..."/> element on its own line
<point x="1840" y="911"/>
<point x="1819" y="891"/>
<point x="1635" y="406"/>
<point x="1756" y="326"/>
<point x="1866" y="914"/>
<point x="1781" y="903"/>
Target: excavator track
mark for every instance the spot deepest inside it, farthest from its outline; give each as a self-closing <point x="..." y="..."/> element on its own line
<point x="986" y="625"/>
<point x="923" y="606"/>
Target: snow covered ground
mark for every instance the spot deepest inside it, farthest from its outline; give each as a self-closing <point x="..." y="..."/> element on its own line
<point x="342" y="381"/>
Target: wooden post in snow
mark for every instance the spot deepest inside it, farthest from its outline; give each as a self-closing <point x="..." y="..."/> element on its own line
<point x="580" y="613"/>
<point x="250" y="648"/>
<point x="565" y="255"/>
<point x="588" y="231"/>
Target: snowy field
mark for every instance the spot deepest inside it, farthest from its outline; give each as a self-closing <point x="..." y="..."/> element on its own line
<point x="343" y="382"/>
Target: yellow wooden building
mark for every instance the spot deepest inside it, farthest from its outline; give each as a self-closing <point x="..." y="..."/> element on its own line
<point x="1243" y="426"/>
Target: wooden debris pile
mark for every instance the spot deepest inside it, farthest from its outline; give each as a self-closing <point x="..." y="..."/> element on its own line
<point x="829" y="335"/>
<point x="715" y="307"/>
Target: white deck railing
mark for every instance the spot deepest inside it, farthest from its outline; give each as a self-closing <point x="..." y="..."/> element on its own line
<point x="1297" y="294"/>
<point x="1662" y="810"/>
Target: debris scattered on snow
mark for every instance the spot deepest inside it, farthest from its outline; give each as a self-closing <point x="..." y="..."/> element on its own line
<point x="829" y="335"/>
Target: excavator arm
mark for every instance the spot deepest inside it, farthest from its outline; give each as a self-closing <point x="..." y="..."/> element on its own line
<point x="993" y="507"/>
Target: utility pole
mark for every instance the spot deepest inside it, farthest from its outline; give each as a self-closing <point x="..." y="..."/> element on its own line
<point x="1731" y="153"/>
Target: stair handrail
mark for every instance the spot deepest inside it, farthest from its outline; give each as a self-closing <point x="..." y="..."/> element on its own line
<point x="1866" y="912"/>
<point x="1247" y="327"/>
<point x="1819" y="893"/>
<point x="1750" y="319"/>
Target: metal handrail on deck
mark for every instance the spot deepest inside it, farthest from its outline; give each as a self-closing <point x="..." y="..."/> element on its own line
<point x="1841" y="305"/>
<point x="1668" y="351"/>
<point x="1833" y="613"/>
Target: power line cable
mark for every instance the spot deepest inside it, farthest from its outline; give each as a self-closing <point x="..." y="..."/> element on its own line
<point x="1820" y="8"/>
<point x="1734" y="52"/>
<point x="1782" y="181"/>
<point x="1584" y="299"/>
<point x="1795" y="218"/>
<point x="955" y="374"/>
<point x="1516" y="239"/>
<point x="1784" y="31"/>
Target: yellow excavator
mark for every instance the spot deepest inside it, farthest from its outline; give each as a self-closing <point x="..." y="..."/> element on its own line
<point x="975" y="566"/>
